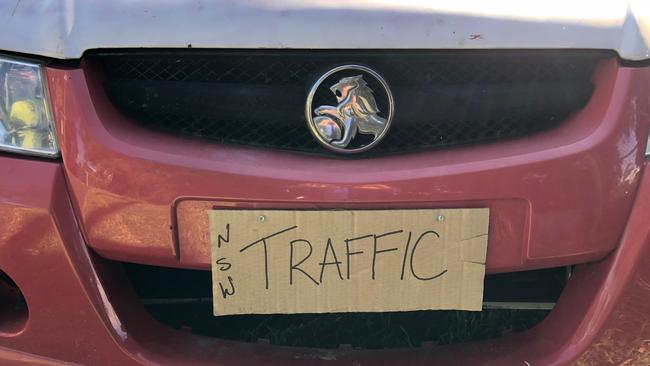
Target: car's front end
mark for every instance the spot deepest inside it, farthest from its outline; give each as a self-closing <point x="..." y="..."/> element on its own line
<point x="124" y="123"/>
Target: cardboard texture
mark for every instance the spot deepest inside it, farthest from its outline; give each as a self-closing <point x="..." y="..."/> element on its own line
<point x="272" y="261"/>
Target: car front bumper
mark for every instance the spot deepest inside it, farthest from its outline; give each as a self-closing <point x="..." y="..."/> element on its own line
<point x="79" y="310"/>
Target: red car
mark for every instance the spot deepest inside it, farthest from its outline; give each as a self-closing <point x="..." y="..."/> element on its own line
<point x="340" y="183"/>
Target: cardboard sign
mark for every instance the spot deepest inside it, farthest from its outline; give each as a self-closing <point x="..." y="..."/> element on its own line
<point x="272" y="261"/>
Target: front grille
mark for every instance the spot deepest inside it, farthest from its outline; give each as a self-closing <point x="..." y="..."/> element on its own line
<point x="257" y="98"/>
<point x="182" y="299"/>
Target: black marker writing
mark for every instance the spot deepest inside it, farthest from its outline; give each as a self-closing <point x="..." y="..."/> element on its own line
<point x="406" y="252"/>
<point x="349" y="254"/>
<point x="221" y="239"/>
<point x="224" y="266"/>
<point x="296" y="266"/>
<point x="325" y="263"/>
<point x="227" y="292"/>
<point x="415" y="246"/>
<point x="266" y="254"/>
<point x="375" y="251"/>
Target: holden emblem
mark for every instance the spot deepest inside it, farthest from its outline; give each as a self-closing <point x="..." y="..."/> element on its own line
<point x="356" y="123"/>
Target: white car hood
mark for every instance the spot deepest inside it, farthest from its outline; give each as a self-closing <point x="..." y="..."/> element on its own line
<point x="65" y="29"/>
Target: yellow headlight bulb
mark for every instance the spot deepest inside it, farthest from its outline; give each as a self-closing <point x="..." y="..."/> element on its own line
<point x="24" y="120"/>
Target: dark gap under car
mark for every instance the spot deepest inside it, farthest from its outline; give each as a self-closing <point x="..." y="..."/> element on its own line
<point x="513" y="302"/>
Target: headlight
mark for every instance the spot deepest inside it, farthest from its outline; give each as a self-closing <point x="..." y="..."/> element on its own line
<point x="26" y="124"/>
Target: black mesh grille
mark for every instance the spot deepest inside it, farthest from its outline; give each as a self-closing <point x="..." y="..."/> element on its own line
<point x="257" y="98"/>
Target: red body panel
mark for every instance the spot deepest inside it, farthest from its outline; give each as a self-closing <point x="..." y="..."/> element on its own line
<point x="556" y="198"/>
<point x="81" y="312"/>
<point x="567" y="196"/>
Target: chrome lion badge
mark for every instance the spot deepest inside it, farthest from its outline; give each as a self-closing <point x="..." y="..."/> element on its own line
<point x="356" y="123"/>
